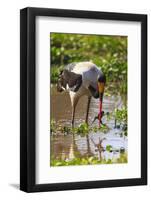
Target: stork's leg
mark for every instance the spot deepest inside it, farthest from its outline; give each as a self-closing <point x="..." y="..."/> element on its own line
<point x="73" y="114"/>
<point x="88" y="107"/>
<point x="74" y="101"/>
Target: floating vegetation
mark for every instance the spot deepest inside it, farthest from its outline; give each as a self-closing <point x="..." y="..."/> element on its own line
<point x="88" y="161"/>
<point x="52" y="126"/>
<point x="119" y="115"/>
<point x="83" y="129"/>
<point x="109" y="148"/>
<point x="108" y="52"/>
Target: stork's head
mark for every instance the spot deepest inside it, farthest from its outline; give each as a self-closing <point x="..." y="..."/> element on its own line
<point x="101" y="85"/>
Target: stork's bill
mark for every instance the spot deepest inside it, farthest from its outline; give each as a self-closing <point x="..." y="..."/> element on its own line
<point x="101" y="85"/>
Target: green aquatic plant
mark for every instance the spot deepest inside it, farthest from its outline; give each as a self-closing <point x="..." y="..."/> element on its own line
<point x="57" y="128"/>
<point x="107" y="52"/>
<point x="103" y="128"/>
<point x="92" y="160"/>
<point x="52" y="126"/>
<point x="123" y="158"/>
<point x="120" y="116"/>
<point x="108" y="148"/>
<point x="83" y="129"/>
<point x="66" y="129"/>
<point x="55" y="71"/>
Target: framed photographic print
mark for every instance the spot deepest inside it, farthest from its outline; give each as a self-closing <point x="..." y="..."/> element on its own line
<point x="83" y="99"/>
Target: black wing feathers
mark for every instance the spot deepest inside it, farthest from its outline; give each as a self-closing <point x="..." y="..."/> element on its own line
<point x="73" y="80"/>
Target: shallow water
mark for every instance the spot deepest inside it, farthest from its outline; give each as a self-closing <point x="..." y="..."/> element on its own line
<point x="67" y="147"/>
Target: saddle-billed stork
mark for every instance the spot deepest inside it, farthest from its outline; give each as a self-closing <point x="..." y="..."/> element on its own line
<point x="82" y="78"/>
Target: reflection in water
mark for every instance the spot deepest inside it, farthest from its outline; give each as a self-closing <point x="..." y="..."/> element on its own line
<point x="67" y="147"/>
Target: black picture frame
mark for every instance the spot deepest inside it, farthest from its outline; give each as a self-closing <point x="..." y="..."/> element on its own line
<point x="28" y="99"/>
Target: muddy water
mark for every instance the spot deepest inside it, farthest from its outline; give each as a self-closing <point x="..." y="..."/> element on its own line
<point x="67" y="147"/>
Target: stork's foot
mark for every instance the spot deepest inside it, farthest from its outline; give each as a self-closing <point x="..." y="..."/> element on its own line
<point x="98" y="117"/>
